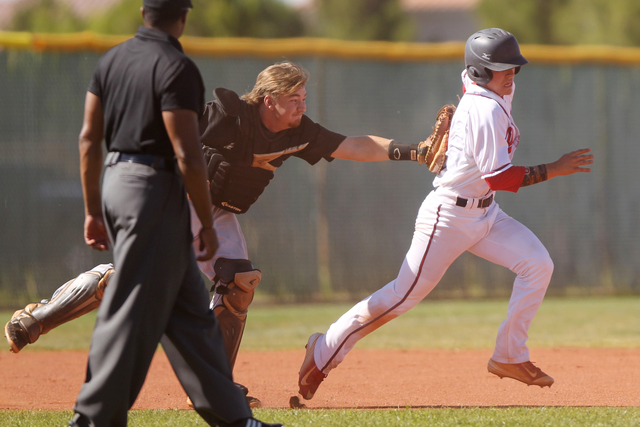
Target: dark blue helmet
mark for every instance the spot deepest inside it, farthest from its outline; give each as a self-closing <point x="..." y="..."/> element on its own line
<point x="491" y="49"/>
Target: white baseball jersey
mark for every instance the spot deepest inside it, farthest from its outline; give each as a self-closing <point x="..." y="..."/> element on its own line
<point x="483" y="139"/>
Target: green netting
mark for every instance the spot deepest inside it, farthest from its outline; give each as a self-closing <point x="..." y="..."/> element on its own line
<point x="341" y="228"/>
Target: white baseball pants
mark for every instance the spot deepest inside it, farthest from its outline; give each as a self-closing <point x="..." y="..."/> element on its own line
<point x="230" y="238"/>
<point x="231" y="242"/>
<point x="443" y="231"/>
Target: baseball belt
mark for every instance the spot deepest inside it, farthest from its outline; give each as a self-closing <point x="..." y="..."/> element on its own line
<point x="482" y="203"/>
<point x="156" y="162"/>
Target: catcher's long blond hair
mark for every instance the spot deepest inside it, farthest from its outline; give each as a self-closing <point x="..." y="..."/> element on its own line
<point x="282" y="78"/>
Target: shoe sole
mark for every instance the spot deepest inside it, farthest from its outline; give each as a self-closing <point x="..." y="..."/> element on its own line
<point x="311" y="342"/>
<point x="14" y="347"/>
<point x="496" y="370"/>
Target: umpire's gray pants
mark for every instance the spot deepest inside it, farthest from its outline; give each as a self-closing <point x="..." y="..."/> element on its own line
<point x="156" y="295"/>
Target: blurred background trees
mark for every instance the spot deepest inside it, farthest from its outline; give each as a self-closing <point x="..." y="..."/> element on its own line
<point x="568" y="22"/>
<point x="211" y="18"/>
<point x="47" y="16"/>
<point x="362" y="20"/>
<point x="353" y="19"/>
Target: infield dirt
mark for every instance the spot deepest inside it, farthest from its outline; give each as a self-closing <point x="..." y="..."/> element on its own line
<point x="367" y="379"/>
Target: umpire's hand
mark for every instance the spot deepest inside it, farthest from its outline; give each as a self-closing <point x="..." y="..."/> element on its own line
<point x="208" y="244"/>
<point x="95" y="233"/>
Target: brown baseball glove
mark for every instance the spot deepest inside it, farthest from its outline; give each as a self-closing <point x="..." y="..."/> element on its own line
<point x="433" y="150"/>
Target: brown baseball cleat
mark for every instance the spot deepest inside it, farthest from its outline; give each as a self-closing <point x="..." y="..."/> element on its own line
<point x="16" y="336"/>
<point x="310" y="377"/>
<point x="253" y="402"/>
<point x="526" y="372"/>
<point x="23" y="328"/>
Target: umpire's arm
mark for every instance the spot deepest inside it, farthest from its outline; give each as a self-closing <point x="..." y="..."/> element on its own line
<point x="90" y="145"/>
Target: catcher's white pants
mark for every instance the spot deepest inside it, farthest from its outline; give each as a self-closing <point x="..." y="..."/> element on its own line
<point x="230" y="239"/>
<point x="443" y="231"/>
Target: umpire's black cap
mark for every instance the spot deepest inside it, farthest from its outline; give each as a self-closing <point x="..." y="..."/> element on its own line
<point x="168" y="5"/>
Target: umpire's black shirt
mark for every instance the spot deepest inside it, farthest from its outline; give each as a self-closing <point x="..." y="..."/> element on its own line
<point x="148" y="70"/>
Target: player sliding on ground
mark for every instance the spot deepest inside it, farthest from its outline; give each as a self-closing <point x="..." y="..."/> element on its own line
<point x="460" y="215"/>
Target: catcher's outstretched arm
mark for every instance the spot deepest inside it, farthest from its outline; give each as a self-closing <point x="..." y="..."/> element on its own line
<point x="367" y="148"/>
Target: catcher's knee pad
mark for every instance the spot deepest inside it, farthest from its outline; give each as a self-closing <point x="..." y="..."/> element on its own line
<point x="235" y="283"/>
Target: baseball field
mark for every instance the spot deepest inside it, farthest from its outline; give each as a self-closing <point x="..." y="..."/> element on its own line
<point x="427" y="367"/>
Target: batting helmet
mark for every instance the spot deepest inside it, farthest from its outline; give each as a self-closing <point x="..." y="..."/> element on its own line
<point x="491" y="49"/>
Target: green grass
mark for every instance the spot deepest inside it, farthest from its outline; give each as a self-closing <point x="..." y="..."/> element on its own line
<point x="561" y="322"/>
<point x="516" y="416"/>
<point x="471" y="324"/>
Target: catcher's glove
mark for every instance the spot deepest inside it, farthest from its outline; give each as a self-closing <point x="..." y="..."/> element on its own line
<point x="433" y="150"/>
<point x="233" y="187"/>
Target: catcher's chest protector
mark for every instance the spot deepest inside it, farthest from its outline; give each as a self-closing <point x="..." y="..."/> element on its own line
<point x="250" y="143"/>
<point x="251" y="152"/>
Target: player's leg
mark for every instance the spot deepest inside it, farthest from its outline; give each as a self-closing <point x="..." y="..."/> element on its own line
<point x="230" y="302"/>
<point x="439" y="238"/>
<point x="512" y="245"/>
<point x="234" y="281"/>
<point x="75" y="298"/>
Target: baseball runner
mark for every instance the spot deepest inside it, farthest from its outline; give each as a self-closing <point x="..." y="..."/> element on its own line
<point x="460" y="215"/>
<point x="245" y="140"/>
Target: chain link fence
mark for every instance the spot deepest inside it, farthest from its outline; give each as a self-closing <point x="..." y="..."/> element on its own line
<point x="341" y="229"/>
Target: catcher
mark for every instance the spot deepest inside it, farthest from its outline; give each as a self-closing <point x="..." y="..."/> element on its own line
<point x="460" y="215"/>
<point x="245" y="140"/>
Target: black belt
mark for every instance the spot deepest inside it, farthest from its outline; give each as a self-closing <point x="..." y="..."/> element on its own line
<point x="156" y="162"/>
<point x="483" y="203"/>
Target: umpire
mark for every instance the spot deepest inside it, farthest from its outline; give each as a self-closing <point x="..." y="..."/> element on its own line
<point x="145" y="99"/>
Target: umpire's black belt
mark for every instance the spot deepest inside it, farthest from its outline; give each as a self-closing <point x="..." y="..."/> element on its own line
<point x="156" y="162"/>
<point x="482" y="203"/>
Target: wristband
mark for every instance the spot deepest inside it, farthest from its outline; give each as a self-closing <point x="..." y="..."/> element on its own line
<point x="399" y="151"/>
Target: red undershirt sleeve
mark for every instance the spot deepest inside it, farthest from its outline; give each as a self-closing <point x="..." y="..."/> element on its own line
<point x="509" y="180"/>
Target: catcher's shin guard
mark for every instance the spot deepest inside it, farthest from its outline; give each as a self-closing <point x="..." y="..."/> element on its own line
<point x="70" y="301"/>
<point x="235" y="284"/>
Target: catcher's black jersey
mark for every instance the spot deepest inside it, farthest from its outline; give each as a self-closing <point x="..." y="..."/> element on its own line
<point x="234" y="127"/>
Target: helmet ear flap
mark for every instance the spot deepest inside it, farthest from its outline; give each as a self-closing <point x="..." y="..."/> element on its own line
<point x="489" y="74"/>
<point x="480" y="77"/>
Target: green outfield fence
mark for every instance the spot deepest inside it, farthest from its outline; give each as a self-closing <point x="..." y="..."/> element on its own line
<point x="340" y="230"/>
